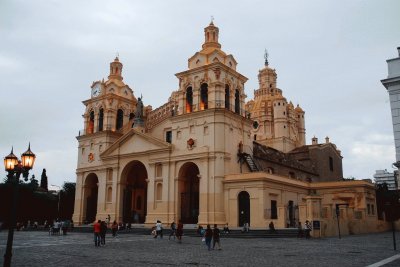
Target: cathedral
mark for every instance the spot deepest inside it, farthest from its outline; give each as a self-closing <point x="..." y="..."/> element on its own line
<point x="207" y="156"/>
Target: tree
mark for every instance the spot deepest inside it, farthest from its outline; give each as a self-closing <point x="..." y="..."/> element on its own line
<point x="43" y="181"/>
<point x="67" y="200"/>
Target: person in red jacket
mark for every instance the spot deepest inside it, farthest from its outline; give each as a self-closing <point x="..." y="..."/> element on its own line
<point x="97" y="229"/>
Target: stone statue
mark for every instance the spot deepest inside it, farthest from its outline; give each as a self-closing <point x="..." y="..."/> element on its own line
<point x="139" y="109"/>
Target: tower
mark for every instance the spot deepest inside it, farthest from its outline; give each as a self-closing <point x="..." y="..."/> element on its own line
<point x="277" y="123"/>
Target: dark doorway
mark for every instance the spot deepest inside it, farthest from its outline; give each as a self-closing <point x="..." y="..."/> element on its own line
<point x="91" y="192"/>
<point x="291" y="214"/>
<point x="244" y="208"/>
<point x="135" y="191"/>
<point x="189" y="193"/>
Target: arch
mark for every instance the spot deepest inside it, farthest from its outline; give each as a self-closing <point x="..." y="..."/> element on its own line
<point x="134" y="192"/>
<point x="227" y="97"/>
<point x="101" y="119"/>
<point x="243" y="208"/>
<point x="90" y="127"/>
<point x="204" y="96"/>
<point x="189" y="99"/>
<point x="188" y="190"/>
<point x="120" y="119"/>
<point x="237" y="101"/>
<point x="90" y="194"/>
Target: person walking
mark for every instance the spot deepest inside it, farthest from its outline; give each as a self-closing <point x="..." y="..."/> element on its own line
<point x="114" y="228"/>
<point x="216" y="237"/>
<point x="272" y="228"/>
<point x="208" y="236"/>
<point x="226" y="229"/>
<point x="173" y="231"/>
<point x="179" y="231"/>
<point x="159" y="229"/>
<point x="96" y="230"/>
<point x="103" y="231"/>
<point x="307" y="229"/>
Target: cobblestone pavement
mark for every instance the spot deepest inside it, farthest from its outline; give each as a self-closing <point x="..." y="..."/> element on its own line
<point x="77" y="249"/>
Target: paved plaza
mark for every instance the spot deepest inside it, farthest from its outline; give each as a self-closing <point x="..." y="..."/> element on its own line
<point x="77" y="249"/>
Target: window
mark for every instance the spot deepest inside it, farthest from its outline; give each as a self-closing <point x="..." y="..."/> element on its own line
<point x="292" y="175"/>
<point x="159" y="191"/>
<point x="90" y="128"/>
<point x="274" y="211"/>
<point x="270" y="170"/>
<point x="109" y="194"/>
<point x="373" y="209"/>
<point x="158" y="170"/>
<point x="189" y="100"/>
<point x="204" y="96"/>
<point x="101" y="119"/>
<point x="368" y="209"/>
<point x="237" y="101"/>
<point x="331" y="164"/>
<point x="168" y="136"/>
<point x="227" y="97"/>
<point x="120" y="119"/>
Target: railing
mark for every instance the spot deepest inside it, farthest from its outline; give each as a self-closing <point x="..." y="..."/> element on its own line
<point x="106" y="127"/>
<point x="158" y="115"/>
<point x="215" y="104"/>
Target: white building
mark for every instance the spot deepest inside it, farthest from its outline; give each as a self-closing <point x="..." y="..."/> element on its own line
<point x="392" y="84"/>
<point x="383" y="176"/>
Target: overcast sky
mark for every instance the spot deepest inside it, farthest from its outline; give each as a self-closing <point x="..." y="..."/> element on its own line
<point x="329" y="56"/>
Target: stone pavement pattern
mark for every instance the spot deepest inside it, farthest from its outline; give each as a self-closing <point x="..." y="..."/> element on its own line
<point x="77" y="249"/>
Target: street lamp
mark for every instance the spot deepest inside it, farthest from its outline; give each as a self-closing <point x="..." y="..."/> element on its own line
<point x="15" y="168"/>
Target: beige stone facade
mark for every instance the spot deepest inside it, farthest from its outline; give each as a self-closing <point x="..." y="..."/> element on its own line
<point x="192" y="159"/>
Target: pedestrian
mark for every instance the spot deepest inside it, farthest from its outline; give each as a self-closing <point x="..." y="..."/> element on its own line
<point x="159" y="229"/>
<point x="173" y="231"/>
<point x="179" y="231"/>
<point x="307" y="229"/>
<point x="226" y="229"/>
<point x="96" y="230"/>
<point x="216" y="237"/>
<point x="208" y="234"/>
<point x="299" y="230"/>
<point x="103" y="231"/>
<point x="108" y="220"/>
<point x="246" y="228"/>
<point x="272" y="227"/>
<point x="114" y="228"/>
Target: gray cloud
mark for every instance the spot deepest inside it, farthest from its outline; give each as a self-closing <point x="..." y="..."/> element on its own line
<point x="329" y="57"/>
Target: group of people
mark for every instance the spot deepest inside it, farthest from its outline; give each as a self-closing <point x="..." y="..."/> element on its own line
<point x="307" y="230"/>
<point x="100" y="229"/>
<point x="211" y="235"/>
<point x="176" y="230"/>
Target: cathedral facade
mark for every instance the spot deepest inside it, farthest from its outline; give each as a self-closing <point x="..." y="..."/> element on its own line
<point x="206" y="156"/>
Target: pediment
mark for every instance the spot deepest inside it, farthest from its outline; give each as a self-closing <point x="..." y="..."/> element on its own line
<point x="135" y="142"/>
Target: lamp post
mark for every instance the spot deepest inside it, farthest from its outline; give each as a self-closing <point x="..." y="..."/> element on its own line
<point x="15" y="168"/>
<point x="59" y="199"/>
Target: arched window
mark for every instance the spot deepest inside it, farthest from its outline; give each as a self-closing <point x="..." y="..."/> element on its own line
<point x="227" y="97"/>
<point x="237" y="101"/>
<point x="90" y="128"/>
<point x="101" y="119"/>
<point x="270" y="170"/>
<point x="292" y="175"/>
<point x="120" y="118"/>
<point x="159" y="191"/>
<point x="131" y="116"/>
<point x="204" y="96"/>
<point x="189" y="99"/>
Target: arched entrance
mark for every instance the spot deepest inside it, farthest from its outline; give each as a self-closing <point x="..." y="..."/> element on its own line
<point x="134" y="193"/>
<point x="90" y="197"/>
<point x="188" y="189"/>
<point x="244" y="208"/>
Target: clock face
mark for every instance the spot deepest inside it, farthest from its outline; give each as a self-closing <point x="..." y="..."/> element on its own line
<point x="96" y="90"/>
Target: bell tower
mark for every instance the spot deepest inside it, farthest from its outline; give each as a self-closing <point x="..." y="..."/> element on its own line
<point x="115" y="70"/>
<point x="211" y="37"/>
